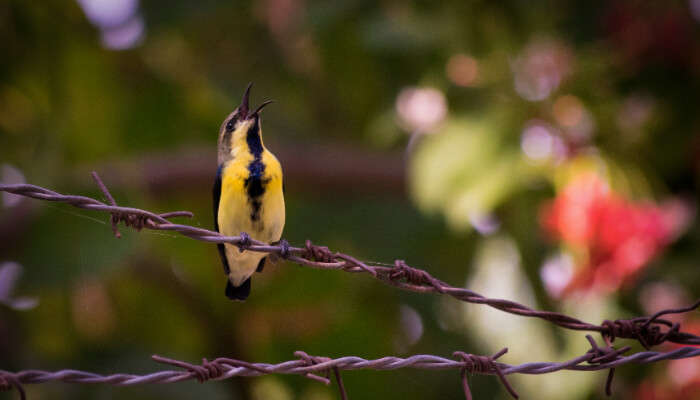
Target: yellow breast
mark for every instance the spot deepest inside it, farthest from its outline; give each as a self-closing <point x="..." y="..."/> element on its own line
<point x="251" y="202"/>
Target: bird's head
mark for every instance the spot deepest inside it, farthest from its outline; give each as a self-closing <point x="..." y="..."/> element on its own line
<point x="241" y="126"/>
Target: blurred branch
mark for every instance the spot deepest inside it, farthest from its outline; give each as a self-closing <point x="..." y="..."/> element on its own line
<point x="649" y="331"/>
<point x="320" y="368"/>
<point x="335" y="167"/>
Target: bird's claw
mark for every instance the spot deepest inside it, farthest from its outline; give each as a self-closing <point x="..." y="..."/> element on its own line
<point x="243" y="242"/>
<point x="284" y="248"/>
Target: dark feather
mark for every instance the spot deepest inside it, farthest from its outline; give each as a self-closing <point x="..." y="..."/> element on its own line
<point x="238" y="292"/>
<point x="261" y="265"/>
<point x="216" y="192"/>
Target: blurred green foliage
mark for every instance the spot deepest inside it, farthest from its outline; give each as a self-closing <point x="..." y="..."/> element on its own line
<point x="605" y="85"/>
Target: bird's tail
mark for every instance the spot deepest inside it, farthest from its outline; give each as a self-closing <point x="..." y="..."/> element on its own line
<point x="239" y="293"/>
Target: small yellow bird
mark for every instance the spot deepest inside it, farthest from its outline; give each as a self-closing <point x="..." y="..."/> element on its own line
<point x="248" y="195"/>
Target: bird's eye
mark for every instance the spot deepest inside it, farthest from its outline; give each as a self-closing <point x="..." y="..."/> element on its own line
<point x="230" y="124"/>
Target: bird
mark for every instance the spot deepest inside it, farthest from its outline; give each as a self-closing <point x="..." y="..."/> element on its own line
<point x="248" y="195"/>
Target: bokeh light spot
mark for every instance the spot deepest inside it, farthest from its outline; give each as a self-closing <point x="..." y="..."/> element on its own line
<point x="125" y="36"/>
<point x="420" y="110"/>
<point x="541" y="68"/>
<point x="411" y="328"/>
<point x="462" y="70"/>
<point x="556" y="273"/>
<point x="120" y="23"/>
<point x="568" y="111"/>
<point x="537" y="141"/>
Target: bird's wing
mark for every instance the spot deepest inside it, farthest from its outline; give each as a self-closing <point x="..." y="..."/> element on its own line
<point x="216" y="192"/>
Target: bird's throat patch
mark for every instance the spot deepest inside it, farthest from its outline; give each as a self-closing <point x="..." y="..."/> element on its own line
<point x="255" y="188"/>
<point x="255" y="184"/>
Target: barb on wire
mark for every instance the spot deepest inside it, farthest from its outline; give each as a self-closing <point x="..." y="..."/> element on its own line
<point x="482" y="365"/>
<point x="133" y="220"/>
<point x="605" y="354"/>
<point x="311" y="366"/>
<point x="8" y="382"/>
<point x="649" y="331"/>
<point x="312" y="361"/>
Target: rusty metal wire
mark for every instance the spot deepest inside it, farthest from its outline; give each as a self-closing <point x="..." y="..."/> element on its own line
<point x="319" y="368"/>
<point x="649" y="331"/>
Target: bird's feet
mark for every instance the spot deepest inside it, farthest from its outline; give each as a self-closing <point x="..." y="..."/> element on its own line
<point x="284" y="248"/>
<point x="244" y="242"/>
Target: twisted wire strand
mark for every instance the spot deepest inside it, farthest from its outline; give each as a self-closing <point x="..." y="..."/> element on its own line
<point x="649" y="331"/>
<point x="309" y="366"/>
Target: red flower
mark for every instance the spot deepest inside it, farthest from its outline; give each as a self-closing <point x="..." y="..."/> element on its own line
<point x="611" y="238"/>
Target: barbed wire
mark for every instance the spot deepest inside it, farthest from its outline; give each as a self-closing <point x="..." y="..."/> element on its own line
<point x="320" y="368"/>
<point x="649" y="331"/>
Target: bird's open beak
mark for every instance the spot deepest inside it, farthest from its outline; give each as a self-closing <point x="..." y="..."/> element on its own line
<point x="260" y="107"/>
<point x="243" y="108"/>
